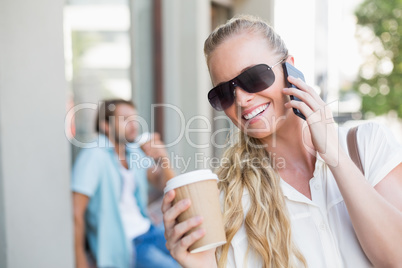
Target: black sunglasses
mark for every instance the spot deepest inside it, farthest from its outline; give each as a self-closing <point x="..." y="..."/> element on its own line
<point x="253" y="80"/>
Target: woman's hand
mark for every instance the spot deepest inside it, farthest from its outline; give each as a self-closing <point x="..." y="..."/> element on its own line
<point x="319" y="119"/>
<point x="177" y="243"/>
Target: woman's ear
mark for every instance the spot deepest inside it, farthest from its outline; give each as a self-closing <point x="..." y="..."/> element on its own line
<point x="291" y="60"/>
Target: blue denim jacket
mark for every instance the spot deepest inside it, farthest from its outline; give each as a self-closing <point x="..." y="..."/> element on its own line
<point x="96" y="174"/>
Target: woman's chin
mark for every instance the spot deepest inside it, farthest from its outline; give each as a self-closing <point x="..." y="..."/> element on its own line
<point x="258" y="135"/>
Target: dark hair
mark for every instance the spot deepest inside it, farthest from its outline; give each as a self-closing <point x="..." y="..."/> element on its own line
<point x="107" y="109"/>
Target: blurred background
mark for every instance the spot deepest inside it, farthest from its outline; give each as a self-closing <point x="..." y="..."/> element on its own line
<point x="58" y="59"/>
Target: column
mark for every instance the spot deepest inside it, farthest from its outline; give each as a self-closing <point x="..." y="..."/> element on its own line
<point x="35" y="204"/>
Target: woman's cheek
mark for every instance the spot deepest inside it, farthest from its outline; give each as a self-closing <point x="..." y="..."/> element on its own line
<point x="232" y="115"/>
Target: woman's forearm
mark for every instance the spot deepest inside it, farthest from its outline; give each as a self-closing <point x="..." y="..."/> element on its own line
<point x="378" y="224"/>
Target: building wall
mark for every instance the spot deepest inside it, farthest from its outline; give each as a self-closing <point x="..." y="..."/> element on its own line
<point x="186" y="24"/>
<point x="142" y="57"/>
<point x="35" y="209"/>
<point x="261" y="8"/>
<point x="3" y="244"/>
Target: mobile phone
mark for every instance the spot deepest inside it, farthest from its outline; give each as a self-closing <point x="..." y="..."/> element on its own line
<point x="289" y="69"/>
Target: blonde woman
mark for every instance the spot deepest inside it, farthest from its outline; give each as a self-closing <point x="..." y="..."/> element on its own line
<point x="307" y="204"/>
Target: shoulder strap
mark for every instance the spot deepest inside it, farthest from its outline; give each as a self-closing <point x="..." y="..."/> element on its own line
<point x="353" y="149"/>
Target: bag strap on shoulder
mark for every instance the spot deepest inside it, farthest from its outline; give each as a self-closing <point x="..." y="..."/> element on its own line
<point x="353" y="148"/>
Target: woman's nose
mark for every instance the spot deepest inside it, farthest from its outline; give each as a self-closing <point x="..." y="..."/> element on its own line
<point x="242" y="97"/>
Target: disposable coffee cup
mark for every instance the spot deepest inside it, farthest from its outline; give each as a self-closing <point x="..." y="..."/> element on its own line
<point x="143" y="138"/>
<point x="201" y="188"/>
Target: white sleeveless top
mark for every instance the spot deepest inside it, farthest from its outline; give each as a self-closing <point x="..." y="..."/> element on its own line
<point x="134" y="223"/>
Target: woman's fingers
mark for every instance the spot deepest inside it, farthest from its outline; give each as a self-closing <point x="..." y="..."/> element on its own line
<point x="311" y="105"/>
<point x="177" y="242"/>
<point x="166" y="206"/>
<point x="174" y="232"/>
<point x="167" y="200"/>
<point x="319" y="119"/>
<point x="303" y="96"/>
<point x="190" y="239"/>
<point x="180" y="229"/>
<point x="300" y="84"/>
<point x="170" y="215"/>
<point x="183" y="245"/>
<point x="300" y="105"/>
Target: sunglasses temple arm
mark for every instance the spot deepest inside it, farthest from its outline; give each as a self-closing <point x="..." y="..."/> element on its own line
<point x="279" y="62"/>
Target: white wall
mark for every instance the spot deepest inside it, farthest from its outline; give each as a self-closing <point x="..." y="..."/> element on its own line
<point x="35" y="209"/>
<point x="295" y="23"/>
<point x="186" y="25"/>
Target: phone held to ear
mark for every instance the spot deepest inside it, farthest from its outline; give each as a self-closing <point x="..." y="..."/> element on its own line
<point x="289" y="69"/>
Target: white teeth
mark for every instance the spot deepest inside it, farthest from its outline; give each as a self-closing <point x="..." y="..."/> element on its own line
<point x="256" y="111"/>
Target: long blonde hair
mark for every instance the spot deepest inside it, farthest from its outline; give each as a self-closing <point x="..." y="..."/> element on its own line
<point x="267" y="222"/>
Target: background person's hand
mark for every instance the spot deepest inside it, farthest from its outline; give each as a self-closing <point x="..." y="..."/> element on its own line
<point x="155" y="147"/>
<point x="319" y="119"/>
<point x="177" y="243"/>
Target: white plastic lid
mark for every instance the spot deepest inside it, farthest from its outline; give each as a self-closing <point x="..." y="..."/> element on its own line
<point x="143" y="138"/>
<point x="190" y="177"/>
<point x="206" y="247"/>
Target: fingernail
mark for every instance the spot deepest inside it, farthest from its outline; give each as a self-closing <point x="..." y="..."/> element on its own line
<point x="186" y="202"/>
<point x="198" y="218"/>
<point x="200" y="231"/>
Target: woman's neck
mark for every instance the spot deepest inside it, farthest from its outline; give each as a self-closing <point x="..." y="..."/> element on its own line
<point x="292" y="151"/>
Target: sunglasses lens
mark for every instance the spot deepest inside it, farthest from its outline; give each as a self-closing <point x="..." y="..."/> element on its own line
<point x="256" y="79"/>
<point x="221" y="97"/>
<point x="253" y="80"/>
